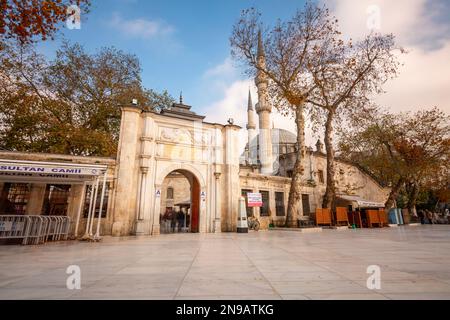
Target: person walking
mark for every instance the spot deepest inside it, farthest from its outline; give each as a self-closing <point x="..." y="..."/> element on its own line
<point x="174" y="220"/>
<point x="429" y="216"/>
<point x="421" y="215"/>
<point x="180" y="219"/>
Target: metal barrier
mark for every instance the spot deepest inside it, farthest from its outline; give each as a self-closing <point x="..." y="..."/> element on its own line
<point x="34" y="229"/>
<point x="14" y="227"/>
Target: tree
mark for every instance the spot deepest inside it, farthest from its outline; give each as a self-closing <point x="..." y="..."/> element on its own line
<point x="346" y="76"/>
<point x="24" y="20"/>
<point x="370" y="145"/>
<point x="70" y="105"/>
<point x="425" y="148"/>
<point x="401" y="150"/>
<point x="289" y="47"/>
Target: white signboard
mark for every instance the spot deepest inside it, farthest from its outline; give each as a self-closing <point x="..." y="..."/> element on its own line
<point x="254" y="200"/>
<point x="158" y="193"/>
<point x="44" y="170"/>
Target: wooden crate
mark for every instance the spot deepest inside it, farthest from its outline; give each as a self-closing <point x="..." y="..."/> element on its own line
<point x="341" y="216"/>
<point x="383" y="217"/>
<point x="323" y="217"/>
<point x="373" y="217"/>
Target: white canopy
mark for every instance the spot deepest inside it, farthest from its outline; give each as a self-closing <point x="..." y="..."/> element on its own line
<point x="48" y="172"/>
<point x="362" y="203"/>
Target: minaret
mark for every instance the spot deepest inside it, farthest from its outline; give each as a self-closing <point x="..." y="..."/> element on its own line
<point x="251" y="130"/>
<point x="319" y="146"/>
<point x="264" y="109"/>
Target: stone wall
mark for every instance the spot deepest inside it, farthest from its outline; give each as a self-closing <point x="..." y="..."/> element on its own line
<point x="350" y="180"/>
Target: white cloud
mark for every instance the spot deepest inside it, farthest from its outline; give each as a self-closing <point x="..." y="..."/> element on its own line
<point x="419" y="26"/>
<point x="141" y="28"/>
<point x="232" y="101"/>
<point x="424" y="82"/>
<point x="414" y="22"/>
<point x="224" y="69"/>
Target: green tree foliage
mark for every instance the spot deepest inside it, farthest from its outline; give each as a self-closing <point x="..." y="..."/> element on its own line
<point x="70" y="105"/>
<point x="409" y="152"/>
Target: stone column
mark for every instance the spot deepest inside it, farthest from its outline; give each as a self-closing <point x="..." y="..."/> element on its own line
<point x="156" y="228"/>
<point x="217" y="199"/>
<point x="203" y="221"/>
<point x="75" y="207"/>
<point x="140" y="223"/>
<point x="148" y="174"/>
<point x="36" y="200"/>
<point x="127" y="171"/>
<point x="231" y="175"/>
<point x="272" y="204"/>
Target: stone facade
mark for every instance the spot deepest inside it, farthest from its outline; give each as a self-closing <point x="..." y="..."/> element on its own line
<point x="152" y="146"/>
<point x="202" y="163"/>
<point x="174" y="149"/>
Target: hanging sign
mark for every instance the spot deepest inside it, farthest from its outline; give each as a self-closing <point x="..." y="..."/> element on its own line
<point x="158" y="193"/>
<point x="42" y="170"/>
<point x="254" y="200"/>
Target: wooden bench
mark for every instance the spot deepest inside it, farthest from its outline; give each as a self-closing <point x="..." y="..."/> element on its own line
<point x="323" y="217"/>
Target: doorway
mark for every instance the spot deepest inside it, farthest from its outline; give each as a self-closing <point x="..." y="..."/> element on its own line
<point x="180" y="203"/>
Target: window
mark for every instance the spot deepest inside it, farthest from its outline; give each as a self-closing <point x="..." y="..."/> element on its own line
<point x="169" y="193"/>
<point x="264" y="210"/>
<point x="244" y="193"/>
<point x="279" y="204"/>
<point x="56" y="200"/>
<point x="14" y="198"/>
<point x="97" y="204"/>
<point x="305" y="203"/>
<point x="321" y="177"/>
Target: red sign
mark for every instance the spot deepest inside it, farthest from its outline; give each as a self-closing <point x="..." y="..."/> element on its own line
<point x="254" y="200"/>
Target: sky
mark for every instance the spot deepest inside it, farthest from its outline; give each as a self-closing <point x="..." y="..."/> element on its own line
<point x="184" y="46"/>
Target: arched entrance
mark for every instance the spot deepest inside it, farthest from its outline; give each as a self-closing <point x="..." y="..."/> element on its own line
<point x="180" y="202"/>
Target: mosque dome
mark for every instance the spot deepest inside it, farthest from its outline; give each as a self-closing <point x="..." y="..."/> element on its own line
<point x="283" y="141"/>
<point x="281" y="136"/>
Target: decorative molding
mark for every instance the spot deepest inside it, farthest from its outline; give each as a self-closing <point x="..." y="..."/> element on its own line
<point x="144" y="169"/>
<point x="178" y="135"/>
<point x="185" y="136"/>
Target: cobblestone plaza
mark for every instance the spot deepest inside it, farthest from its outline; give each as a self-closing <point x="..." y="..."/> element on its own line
<point x="414" y="263"/>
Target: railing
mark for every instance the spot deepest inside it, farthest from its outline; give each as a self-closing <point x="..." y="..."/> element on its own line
<point x="34" y="229"/>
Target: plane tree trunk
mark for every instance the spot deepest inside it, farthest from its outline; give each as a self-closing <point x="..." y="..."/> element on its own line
<point x="330" y="193"/>
<point x="394" y="194"/>
<point x="295" y="195"/>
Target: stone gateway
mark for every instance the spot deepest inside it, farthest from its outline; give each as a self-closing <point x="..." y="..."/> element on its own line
<point x="175" y="172"/>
